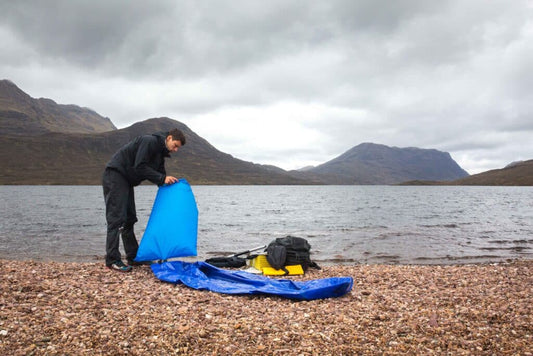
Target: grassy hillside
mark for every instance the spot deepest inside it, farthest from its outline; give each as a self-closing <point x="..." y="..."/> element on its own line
<point x="518" y="174"/>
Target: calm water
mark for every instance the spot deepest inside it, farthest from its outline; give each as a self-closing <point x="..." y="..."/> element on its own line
<point x="344" y="224"/>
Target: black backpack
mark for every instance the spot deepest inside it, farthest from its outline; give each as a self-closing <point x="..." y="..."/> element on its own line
<point x="288" y="251"/>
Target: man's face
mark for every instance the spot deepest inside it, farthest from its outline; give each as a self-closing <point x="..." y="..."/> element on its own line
<point x="172" y="145"/>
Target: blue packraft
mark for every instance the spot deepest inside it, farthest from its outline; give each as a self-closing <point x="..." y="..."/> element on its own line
<point x="203" y="276"/>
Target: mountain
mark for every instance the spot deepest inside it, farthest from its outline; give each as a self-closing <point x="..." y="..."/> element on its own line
<point x="42" y="142"/>
<point x="21" y="114"/>
<point x="370" y="163"/>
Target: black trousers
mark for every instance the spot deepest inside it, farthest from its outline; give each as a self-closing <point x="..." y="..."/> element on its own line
<point x="120" y="216"/>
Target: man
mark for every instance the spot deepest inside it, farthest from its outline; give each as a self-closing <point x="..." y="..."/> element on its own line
<point x="141" y="159"/>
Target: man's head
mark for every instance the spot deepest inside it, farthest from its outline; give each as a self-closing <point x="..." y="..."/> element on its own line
<point x="175" y="139"/>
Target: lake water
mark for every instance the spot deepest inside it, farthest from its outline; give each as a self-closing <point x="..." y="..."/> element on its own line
<point x="343" y="224"/>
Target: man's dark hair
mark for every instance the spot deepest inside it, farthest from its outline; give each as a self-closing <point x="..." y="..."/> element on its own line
<point x="177" y="135"/>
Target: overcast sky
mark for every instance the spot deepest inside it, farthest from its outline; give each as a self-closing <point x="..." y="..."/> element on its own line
<point x="290" y="83"/>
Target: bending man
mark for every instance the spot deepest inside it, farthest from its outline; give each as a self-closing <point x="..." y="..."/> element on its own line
<point x="141" y="159"/>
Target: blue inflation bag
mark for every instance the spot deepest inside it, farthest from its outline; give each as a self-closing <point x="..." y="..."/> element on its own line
<point x="172" y="228"/>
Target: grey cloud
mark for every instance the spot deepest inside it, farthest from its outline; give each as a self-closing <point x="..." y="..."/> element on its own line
<point x="447" y="74"/>
<point x="190" y="38"/>
<point x="84" y="32"/>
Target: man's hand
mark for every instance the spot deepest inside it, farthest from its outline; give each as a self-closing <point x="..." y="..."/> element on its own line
<point x="170" y="180"/>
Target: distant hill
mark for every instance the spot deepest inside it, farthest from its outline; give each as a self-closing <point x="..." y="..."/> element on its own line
<point x="370" y="163"/>
<point x="516" y="173"/>
<point x="21" y="114"/>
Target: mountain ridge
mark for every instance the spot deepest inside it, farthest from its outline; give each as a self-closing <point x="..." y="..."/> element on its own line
<point x="68" y="144"/>
<point x="20" y="114"/>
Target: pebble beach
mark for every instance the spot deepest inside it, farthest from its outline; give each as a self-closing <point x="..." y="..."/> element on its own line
<point x="58" y="308"/>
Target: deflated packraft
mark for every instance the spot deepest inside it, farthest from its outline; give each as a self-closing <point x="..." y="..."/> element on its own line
<point x="203" y="276"/>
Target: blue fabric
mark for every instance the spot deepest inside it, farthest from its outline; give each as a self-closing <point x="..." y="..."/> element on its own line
<point x="203" y="276"/>
<point x="173" y="225"/>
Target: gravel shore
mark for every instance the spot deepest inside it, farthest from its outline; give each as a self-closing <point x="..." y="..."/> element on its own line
<point x="84" y="308"/>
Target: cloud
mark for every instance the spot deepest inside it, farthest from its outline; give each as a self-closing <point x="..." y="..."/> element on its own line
<point x="83" y="33"/>
<point x="317" y="77"/>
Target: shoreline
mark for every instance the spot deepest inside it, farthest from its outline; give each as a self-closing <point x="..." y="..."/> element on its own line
<point x="444" y="261"/>
<point x="82" y="307"/>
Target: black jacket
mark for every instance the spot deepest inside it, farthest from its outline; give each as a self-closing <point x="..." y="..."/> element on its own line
<point x="143" y="158"/>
